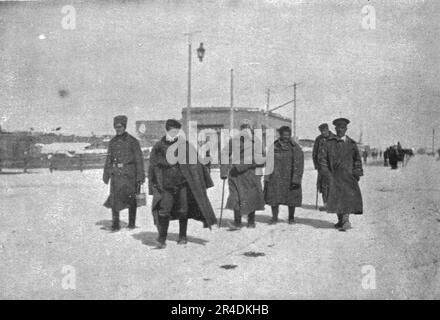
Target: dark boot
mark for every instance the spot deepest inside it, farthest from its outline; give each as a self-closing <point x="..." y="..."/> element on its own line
<point x="115" y="220"/>
<point x="132" y="217"/>
<point x="339" y="224"/>
<point x="251" y="220"/>
<point x="237" y="220"/>
<point x="275" y="211"/>
<point x="291" y="215"/>
<point x="345" y="222"/>
<point x="183" y="225"/>
<point x="162" y="227"/>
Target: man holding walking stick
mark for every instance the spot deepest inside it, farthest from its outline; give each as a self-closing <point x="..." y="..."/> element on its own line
<point x="245" y="191"/>
<point x="322" y="185"/>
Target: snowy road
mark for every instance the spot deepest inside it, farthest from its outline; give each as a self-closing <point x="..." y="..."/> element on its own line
<point x="55" y="244"/>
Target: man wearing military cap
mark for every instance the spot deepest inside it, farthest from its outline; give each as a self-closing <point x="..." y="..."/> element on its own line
<point x="124" y="168"/>
<point x="322" y="181"/>
<point x="341" y="163"/>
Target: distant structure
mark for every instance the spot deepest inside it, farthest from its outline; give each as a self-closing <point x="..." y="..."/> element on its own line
<point x="15" y="149"/>
<point x="218" y="118"/>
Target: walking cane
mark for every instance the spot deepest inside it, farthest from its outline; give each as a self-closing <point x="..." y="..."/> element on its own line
<point x="221" y="208"/>
<point x="316" y="206"/>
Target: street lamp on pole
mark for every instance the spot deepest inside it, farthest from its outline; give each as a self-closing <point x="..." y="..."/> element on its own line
<point x="200" y="54"/>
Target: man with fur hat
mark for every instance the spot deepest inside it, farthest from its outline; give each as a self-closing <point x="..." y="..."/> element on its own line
<point x="177" y="185"/>
<point x="283" y="185"/>
<point x="124" y="168"/>
<point x="341" y="163"/>
<point x="322" y="182"/>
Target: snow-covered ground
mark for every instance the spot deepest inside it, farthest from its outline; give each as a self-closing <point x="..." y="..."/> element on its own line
<point x="55" y="244"/>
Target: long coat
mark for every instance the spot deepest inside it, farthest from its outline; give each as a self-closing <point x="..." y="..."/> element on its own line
<point x="245" y="191"/>
<point x="393" y="157"/>
<point x="341" y="162"/>
<point x="288" y="168"/>
<point x="197" y="178"/>
<point x="321" y="182"/>
<point x="124" y="167"/>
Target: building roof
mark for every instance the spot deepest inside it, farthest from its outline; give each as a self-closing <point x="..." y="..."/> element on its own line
<point x="223" y="109"/>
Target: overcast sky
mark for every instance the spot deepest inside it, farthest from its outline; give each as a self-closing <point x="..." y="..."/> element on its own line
<point x="130" y="57"/>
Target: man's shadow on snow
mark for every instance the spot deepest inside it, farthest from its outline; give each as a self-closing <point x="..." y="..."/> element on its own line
<point x="149" y="238"/>
<point x="107" y="224"/>
<point x="315" y="223"/>
<point x="309" y="207"/>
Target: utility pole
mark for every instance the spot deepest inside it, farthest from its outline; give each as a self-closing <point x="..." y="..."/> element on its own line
<point x="231" y="119"/>
<point x="295" y="84"/>
<point x="294" y="111"/>
<point x="433" y="140"/>
<point x="188" y="101"/>
<point x="267" y="108"/>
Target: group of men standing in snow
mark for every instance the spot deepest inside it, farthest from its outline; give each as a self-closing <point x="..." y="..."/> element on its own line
<point x="179" y="188"/>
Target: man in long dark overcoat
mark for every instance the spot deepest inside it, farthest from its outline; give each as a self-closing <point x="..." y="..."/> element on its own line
<point x="245" y="190"/>
<point x="393" y="157"/>
<point x="124" y="168"/>
<point x="283" y="185"/>
<point x="177" y="185"/>
<point x="322" y="183"/>
<point x="340" y="161"/>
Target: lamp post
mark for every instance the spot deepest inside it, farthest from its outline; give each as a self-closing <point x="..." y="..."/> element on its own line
<point x="200" y="55"/>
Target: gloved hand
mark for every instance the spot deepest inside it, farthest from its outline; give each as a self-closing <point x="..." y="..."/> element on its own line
<point x="224" y="177"/>
<point x="105" y="180"/>
<point x="294" y="186"/>
<point x="158" y="188"/>
<point x="357" y="177"/>
<point x="234" y="172"/>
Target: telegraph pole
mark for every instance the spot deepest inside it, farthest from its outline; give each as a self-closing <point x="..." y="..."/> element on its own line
<point x="294" y="111"/>
<point x="267" y="108"/>
<point x="295" y="84"/>
<point x="188" y="102"/>
<point x="231" y="119"/>
<point x="433" y="140"/>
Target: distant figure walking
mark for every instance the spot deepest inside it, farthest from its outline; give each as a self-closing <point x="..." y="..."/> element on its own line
<point x="365" y="156"/>
<point x="385" y="157"/>
<point x="393" y="157"/>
